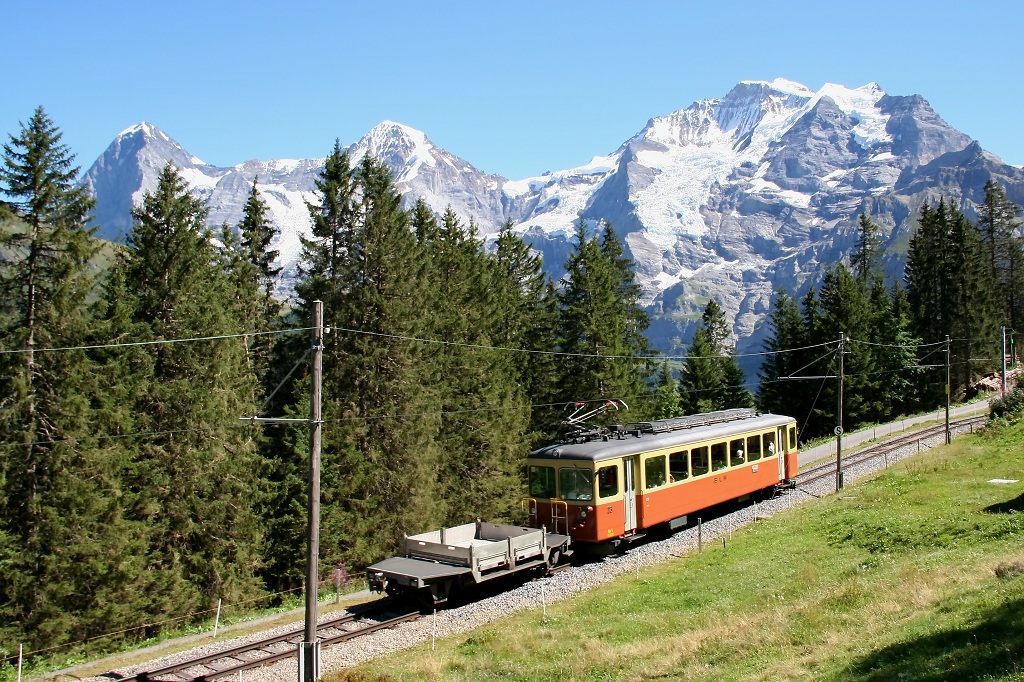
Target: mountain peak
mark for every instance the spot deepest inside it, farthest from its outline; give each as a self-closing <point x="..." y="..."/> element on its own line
<point x="144" y="127"/>
<point x="781" y="85"/>
<point x="145" y="134"/>
<point x="389" y="134"/>
<point x="402" y="148"/>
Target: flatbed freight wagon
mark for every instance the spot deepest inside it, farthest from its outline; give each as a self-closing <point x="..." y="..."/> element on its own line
<point x="434" y="563"/>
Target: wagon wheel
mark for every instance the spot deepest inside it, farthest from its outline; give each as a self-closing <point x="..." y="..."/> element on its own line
<point x="554" y="558"/>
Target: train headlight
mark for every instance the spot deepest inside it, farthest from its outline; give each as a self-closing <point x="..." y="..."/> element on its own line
<point x="583" y="513"/>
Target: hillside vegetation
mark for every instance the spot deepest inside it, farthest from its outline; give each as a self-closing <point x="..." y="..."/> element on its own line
<point x="917" y="574"/>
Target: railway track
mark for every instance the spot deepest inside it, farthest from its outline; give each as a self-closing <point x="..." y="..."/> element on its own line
<point x="827" y="469"/>
<point x="231" y="662"/>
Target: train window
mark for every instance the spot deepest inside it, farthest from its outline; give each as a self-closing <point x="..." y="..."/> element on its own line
<point x="677" y="467"/>
<point x="608" y="481"/>
<point x="654" y="472"/>
<point x="576" y="484"/>
<point x="753" y="448"/>
<point x="792" y="438"/>
<point x="699" y="461"/>
<point x="718" y="457"/>
<point x="736" y="454"/>
<point x="769" y="444"/>
<point x="542" y="482"/>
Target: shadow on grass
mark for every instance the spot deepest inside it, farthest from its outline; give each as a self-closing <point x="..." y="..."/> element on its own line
<point x="1008" y="507"/>
<point x="993" y="649"/>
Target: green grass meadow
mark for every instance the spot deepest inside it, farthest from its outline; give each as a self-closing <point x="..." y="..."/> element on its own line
<point x="916" y="574"/>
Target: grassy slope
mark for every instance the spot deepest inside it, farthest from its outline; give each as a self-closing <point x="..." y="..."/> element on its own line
<point x="894" y="580"/>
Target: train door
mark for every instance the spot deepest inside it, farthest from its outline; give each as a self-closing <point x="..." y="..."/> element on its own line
<point x="630" y="467"/>
<point x="782" y="445"/>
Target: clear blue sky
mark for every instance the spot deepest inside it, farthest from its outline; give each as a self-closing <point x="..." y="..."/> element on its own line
<point x="513" y="88"/>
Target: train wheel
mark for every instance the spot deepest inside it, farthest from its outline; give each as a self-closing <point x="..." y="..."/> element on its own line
<point x="554" y="558"/>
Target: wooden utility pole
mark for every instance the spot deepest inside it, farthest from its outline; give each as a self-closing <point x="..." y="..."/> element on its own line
<point x="309" y="661"/>
<point x="309" y="648"/>
<point x="1002" y="383"/>
<point x="949" y="437"/>
<point x="839" y="420"/>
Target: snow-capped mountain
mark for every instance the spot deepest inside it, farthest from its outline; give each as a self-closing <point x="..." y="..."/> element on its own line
<point x="132" y="163"/>
<point x="729" y="198"/>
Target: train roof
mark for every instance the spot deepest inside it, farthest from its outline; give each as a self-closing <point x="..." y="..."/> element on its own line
<point x="665" y="433"/>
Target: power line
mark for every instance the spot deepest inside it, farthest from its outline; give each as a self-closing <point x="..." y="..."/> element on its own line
<point x="456" y="344"/>
<point x="155" y="342"/>
<point x="574" y="355"/>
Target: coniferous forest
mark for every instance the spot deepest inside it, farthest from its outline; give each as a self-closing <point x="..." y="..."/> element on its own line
<point x="132" y="490"/>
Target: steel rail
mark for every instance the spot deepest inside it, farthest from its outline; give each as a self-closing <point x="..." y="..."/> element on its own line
<point x="265" y="645"/>
<point x="332" y="639"/>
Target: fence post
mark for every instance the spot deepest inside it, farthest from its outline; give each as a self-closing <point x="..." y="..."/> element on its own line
<point x="20" y="652"/>
<point x="700" y="538"/>
<point x="216" y="622"/>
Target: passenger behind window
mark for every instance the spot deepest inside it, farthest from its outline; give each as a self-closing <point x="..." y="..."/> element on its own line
<point x="677" y="470"/>
<point x="736" y="452"/>
<point x="654" y="471"/>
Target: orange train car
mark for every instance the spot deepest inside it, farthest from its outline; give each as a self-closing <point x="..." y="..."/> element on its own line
<point x="614" y="485"/>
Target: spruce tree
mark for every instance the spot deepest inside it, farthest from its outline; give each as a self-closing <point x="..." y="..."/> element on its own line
<point x="61" y="531"/>
<point x="255" y="274"/>
<point x="999" y="225"/>
<point x="736" y="392"/>
<point x="322" y="275"/>
<point x="895" y="352"/>
<point x="545" y="370"/>
<point x="600" y="317"/>
<point x="864" y="259"/>
<point x="978" y="309"/>
<point x="387" y="386"/>
<point x="334" y="217"/>
<point x="784" y="358"/>
<point x="483" y="415"/>
<point x="39" y="174"/>
<point x="528" y="309"/>
<point x="257" y="232"/>
<point x="711" y="378"/>
<point x="665" y="403"/>
<point x="950" y="291"/>
<point x="701" y="384"/>
<point x="844" y="308"/>
<point x="43" y="288"/>
<point x="197" y="471"/>
<point x="817" y="361"/>
<point x="629" y="291"/>
<point x="380" y="405"/>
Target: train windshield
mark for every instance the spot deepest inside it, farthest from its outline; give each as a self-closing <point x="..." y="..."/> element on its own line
<point x="542" y="482"/>
<point x="576" y="484"/>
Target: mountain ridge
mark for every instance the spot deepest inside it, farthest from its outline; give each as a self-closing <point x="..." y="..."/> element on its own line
<point x="730" y="198"/>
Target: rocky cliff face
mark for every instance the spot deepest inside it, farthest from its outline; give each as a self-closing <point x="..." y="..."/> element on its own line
<point x="730" y="198"/>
